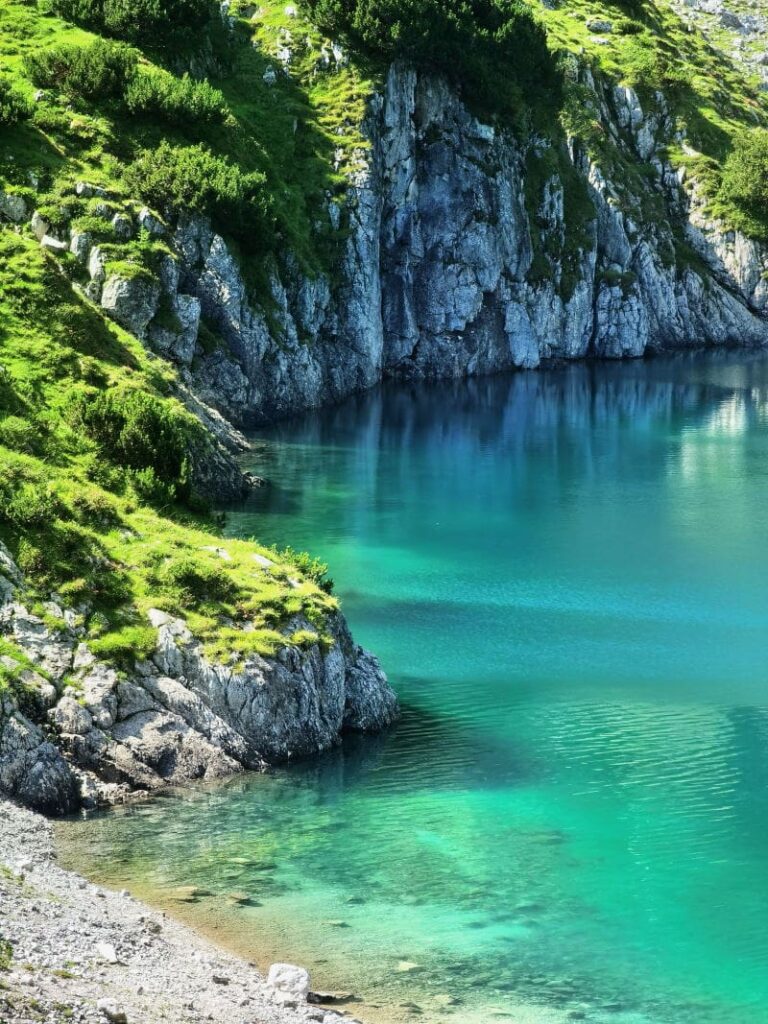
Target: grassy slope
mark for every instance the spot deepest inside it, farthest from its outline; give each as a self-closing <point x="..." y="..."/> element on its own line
<point x="303" y="132"/>
<point x="81" y="531"/>
<point x="713" y="94"/>
<point x="77" y="527"/>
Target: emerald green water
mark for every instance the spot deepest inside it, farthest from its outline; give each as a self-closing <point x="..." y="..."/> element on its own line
<point x="565" y="574"/>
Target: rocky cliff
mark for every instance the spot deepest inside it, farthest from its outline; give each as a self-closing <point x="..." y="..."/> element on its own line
<point x="464" y="249"/>
<point x="74" y="730"/>
<point x="460" y="258"/>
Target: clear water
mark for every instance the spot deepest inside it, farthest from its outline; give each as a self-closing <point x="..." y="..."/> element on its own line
<point x="565" y="574"/>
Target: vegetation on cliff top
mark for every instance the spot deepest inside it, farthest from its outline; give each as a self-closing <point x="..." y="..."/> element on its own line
<point x="495" y="51"/>
<point x="273" y="149"/>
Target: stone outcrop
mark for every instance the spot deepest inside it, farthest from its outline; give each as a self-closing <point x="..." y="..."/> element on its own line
<point x="442" y="274"/>
<point x="99" y="735"/>
<point x="32" y="769"/>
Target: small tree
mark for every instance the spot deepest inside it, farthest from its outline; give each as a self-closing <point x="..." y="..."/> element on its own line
<point x="14" y="105"/>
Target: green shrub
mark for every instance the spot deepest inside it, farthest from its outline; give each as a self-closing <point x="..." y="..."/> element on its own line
<point x="28" y="505"/>
<point x="93" y="507"/>
<point x="189" y="580"/>
<point x="20" y="435"/>
<point x="126" y="645"/>
<point x="141" y="431"/>
<point x="193" y="178"/>
<point x="179" y="101"/>
<point x="14" y="105"/>
<point x="149" y="488"/>
<point x="744" y="185"/>
<point x="137" y="20"/>
<point x="97" y="70"/>
<point x="311" y="567"/>
<point x="493" y="49"/>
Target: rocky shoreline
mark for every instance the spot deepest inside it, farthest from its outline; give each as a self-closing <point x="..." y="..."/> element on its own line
<point x="72" y="951"/>
<point x="80" y="732"/>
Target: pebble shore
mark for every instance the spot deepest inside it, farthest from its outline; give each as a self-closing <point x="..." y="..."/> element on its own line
<point x="84" y="954"/>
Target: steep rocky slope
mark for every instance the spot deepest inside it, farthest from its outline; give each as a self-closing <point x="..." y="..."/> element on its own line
<point x="443" y="274"/>
<point x="459" y="244"/>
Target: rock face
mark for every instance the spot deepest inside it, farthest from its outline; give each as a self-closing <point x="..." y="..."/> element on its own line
<point x="177" y="717"/>
<point x="463" y="250"/>
<point x="32" y="770"/>
<point x="446" y="271"/>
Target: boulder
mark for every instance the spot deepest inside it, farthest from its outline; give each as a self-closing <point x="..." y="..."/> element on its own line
<point x="150" y="223"/>
<point x="600" y="26"/>
<point x="730" y="20"/>
<point x="39" y="225"/>
<point x="12" y="207"/>
<point x="71" y="718"/>
<point x="80" y="243"/>
<point x="40" y="687"/>
<point x="112" y="1011"/>
<point x="123" y="227"/>
<point x="289" y="984"/>
<point x="97" y="264"/>
<point x="85" y="189"/>
<point x="54" y="245"/>
<point x="32" y="770"/>
<point x="106" y="952"/>
<point x="131" y="301"/>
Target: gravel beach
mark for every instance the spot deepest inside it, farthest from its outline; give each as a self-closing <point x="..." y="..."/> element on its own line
<point x="71" y="951"/>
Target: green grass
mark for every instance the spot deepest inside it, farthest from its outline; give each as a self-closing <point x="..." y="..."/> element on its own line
<point x="70" y="512"/>
<point x="302" y="132"/>
<point x="6" y="954"/>
<point x="15" y="662"/>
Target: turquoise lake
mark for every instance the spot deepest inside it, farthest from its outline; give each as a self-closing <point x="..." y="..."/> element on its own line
<point x="565" y="575"/>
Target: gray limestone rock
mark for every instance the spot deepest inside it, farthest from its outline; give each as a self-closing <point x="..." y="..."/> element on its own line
<point x="173" y="719"/>
<point x="437" y="275"/>
<point x="131" y="301"/>
<point x="12" y="207"/>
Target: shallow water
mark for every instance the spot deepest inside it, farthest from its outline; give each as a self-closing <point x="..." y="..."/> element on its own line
<point x="565" y="575"/>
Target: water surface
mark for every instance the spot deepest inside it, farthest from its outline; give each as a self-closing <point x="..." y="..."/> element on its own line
<point x="565" y="574"/>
